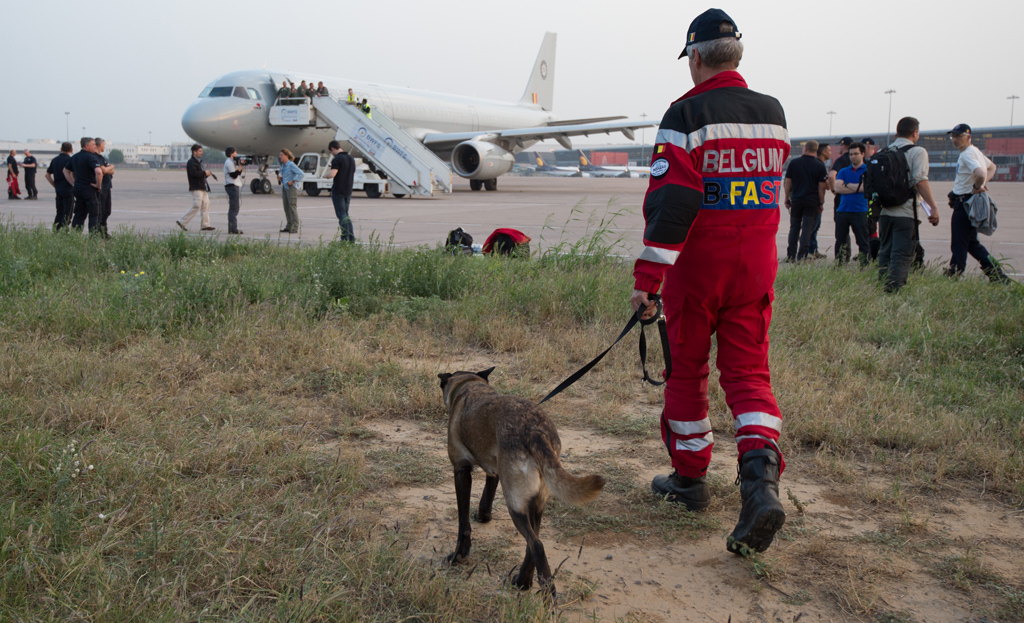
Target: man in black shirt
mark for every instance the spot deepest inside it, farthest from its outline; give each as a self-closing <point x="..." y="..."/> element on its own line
<point x="805" y="184"/>
<point x="13" y="191"/>
<point x="30" y="165"/>
<point x="104" y="195"/>
<point x="65" y="194"/>
<point x="86" y="177"/>
<point x="343" y="169"/>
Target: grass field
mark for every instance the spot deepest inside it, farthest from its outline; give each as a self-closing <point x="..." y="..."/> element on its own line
<point x="163" y="403"/>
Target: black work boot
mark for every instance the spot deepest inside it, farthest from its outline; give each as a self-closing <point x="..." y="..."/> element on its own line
<point x="692" y="492"/>
<point x="761" y="515"/>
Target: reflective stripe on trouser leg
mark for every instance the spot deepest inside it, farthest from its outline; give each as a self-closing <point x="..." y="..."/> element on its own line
<point x="743" y="363"/>
<point x="685" y="428"/>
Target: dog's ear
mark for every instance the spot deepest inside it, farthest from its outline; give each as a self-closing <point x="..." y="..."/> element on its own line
<point x="485" y="373"/>
<point x="444" y="376"/>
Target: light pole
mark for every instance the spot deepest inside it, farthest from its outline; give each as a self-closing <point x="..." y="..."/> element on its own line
<point x="151" y="137"/>
<point x="888" y="125"/>
<point x="1012" y="99"/>
<point x="830" y="114"/>
<point x="643" y="116"/>
<point x="67" y="126"/>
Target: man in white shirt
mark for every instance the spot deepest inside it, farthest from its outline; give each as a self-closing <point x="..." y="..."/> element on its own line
<point x="973" y="171"/>
<point x="233" y="187"/>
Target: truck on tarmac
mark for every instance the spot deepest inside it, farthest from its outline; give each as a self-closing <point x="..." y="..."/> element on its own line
<point x="315" y="167"/>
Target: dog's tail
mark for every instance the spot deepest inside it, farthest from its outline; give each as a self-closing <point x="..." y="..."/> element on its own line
<point x="568" y="488"/>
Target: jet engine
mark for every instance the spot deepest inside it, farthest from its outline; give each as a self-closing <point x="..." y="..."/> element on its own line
<point x="479" y="160"/>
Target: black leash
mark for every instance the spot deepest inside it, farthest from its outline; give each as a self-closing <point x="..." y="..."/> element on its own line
<point x="633" y="320"/>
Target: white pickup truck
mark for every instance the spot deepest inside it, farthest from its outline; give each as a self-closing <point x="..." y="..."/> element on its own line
<point x="316" y="166"/>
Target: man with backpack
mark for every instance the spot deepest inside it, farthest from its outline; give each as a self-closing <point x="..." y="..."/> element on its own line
<point x="894" y="179"/>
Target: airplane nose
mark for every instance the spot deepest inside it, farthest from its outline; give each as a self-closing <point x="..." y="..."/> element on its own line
<point x="211" y="121"/>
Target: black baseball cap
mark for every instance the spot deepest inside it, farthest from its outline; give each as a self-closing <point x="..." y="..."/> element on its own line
<point x="868" y="141"/>
<point x="706" y="27"/>
<point x="846" y="141"/>
<point x="960" y="128"/>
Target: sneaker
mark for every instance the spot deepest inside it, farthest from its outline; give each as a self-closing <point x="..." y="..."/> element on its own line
<point x="761" y="515"/>
<point x="693" y="493"/>
<point x="207" y="228"/>
<point x="239" y="232"/>
<point x="181" y="225"/>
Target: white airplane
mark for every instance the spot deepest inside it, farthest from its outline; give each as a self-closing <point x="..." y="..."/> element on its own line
<point x="605" y="170"/>
<point x="479" y="137"/>
<point x="554" y="170"/>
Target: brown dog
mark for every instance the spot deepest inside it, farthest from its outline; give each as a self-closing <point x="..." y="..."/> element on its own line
<point x="513" y="441"/>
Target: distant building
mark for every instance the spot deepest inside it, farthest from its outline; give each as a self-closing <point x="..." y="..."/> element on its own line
<point x="180" y="152"/>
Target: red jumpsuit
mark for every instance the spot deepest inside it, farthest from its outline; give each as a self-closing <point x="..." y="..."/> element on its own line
<point x="712" y="214"/>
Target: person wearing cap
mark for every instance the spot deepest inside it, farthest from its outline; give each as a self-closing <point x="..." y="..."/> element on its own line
<point x="897" y="226"/>
<point x="869" y="147"/>
<point x="712" y="213"/>
<point x="973" y="171"/>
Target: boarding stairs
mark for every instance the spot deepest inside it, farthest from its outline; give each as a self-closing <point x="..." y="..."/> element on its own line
<point x="411" y="168"/>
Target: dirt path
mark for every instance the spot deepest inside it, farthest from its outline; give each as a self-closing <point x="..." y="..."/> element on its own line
<point x="858" y="551"/>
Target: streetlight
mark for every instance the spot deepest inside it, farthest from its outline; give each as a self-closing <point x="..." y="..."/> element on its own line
<point x="830" y="114"/>
<point x="67" y="126"/>
<point x="888" y="125"/>
<point x="150" y="137"/>
<point x="643" y="116"/>
<point x="1012" y="99"/>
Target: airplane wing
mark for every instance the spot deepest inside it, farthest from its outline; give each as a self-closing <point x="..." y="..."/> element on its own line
<point x="515" y="139"/>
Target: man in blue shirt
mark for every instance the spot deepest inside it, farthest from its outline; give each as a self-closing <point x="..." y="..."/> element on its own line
<point x="291" y="180"/>
<point x="852" y="212"/>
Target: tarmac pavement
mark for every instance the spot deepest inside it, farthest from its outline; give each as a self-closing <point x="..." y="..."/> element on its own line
<point x="548" y="209"/>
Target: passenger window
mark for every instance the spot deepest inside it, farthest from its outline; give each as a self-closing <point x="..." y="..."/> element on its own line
<point x="240" y="92"/>
<point x="221" y="92"/>
<point x="253" y="94"/>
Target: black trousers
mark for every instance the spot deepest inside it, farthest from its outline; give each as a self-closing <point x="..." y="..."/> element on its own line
<point x="87" y="204"/>
<point x="103" y="198"/>
<point x="65" y="208"/>
<point x="964" y="240"/>
<point x="30" y="183"/>
<point x="858" y="222"/>
<point x="802" y="219"/>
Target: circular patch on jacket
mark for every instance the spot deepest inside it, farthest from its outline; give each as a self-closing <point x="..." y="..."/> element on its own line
<point x="659" y="168"/>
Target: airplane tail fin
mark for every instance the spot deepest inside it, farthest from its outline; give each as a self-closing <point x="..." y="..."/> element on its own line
<point x="583" y="158"/>
<point x="540" y="89"/>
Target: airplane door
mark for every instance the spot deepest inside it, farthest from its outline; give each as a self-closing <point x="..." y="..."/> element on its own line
<point x="383" y="103"/>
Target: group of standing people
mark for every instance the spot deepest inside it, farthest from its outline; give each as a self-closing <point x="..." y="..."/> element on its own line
<point x="290" y="176"/>
<point x="288" y="89"/>
<point x="891" y="235"/>
<point x="29" y="164"/>
<point x="83" y="183"/>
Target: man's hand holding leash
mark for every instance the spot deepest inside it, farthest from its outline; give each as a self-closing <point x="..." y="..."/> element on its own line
<point x="641" y="299"/>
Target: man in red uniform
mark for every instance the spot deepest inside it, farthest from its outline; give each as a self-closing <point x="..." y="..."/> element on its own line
<point x="712" y="213"/>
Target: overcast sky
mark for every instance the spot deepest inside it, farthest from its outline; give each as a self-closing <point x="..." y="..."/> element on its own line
<point x="124" y="68"/>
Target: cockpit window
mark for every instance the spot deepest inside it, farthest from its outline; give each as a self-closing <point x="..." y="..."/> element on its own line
<point x="220" y="92"/>
<point x="206" y="92"/>
<point x="253" y="93"/>
<point x="240" y="92"/>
